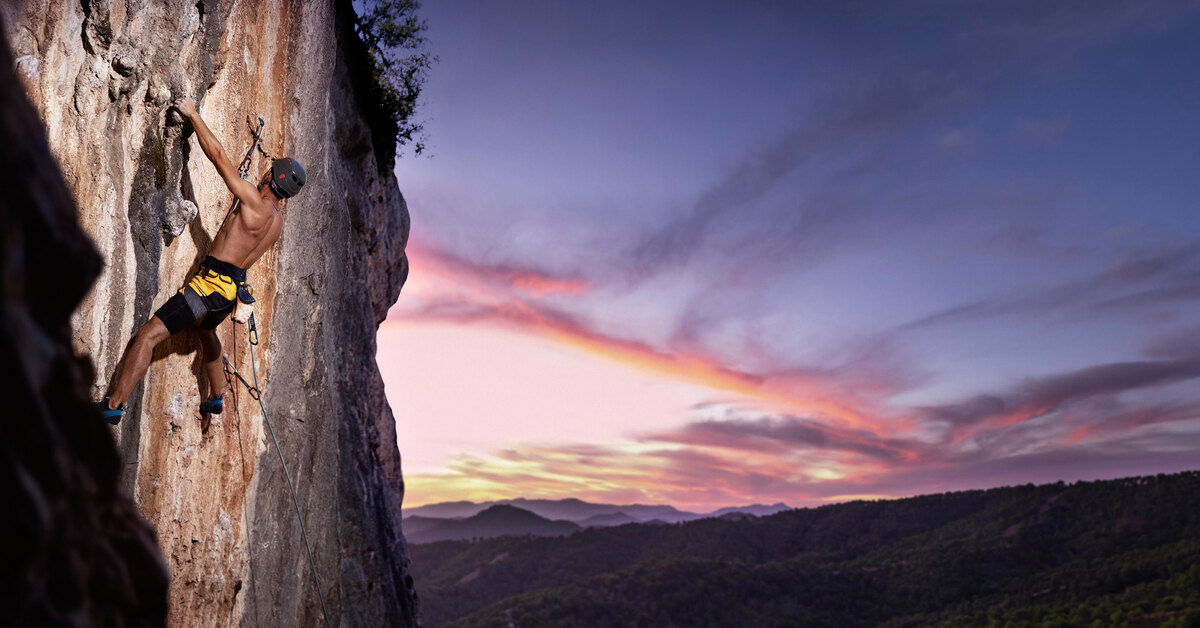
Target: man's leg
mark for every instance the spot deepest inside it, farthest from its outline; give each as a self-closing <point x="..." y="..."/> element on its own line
<point x="210" y="354"/>
<point x="137" y="359"/>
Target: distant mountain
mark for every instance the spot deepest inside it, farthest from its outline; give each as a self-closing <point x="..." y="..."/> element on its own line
<point x="615" y="519"/>
<point x="570" y="509"/>
<point x="580" y="511"/>
<point x="417" y="524"/>
<point x="643" y="512"/>
<point x="499" y="520"/>
<point x="448" y="510"/>
<point x="758" y="510"/>
<point x="1117" y="552"/>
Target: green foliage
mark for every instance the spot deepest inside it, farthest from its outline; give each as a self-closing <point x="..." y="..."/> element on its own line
<point x="398" y="63"/>
<point x="1112" y="553"/>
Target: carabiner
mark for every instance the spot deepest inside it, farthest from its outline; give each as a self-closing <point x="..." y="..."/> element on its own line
<point x="253" y="331"/>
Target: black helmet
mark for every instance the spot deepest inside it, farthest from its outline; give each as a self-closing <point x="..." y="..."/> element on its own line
<point x="287" y="177"/>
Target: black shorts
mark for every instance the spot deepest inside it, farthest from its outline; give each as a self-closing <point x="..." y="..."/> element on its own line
<point x="207" y="298"/>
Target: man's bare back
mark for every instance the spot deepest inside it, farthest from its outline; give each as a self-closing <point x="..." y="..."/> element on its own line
<point x="240" y="245"/>
<point x="210" y="295"/>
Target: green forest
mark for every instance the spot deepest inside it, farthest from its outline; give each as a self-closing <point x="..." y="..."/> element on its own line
<point x="1107" y="553"/>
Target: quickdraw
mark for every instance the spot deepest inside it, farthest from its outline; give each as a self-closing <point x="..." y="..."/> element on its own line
<point x="230" y="369"/>
<point x="244" y="167"/>
<point x="258" y="134"/>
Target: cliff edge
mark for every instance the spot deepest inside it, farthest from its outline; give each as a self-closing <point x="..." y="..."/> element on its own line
<point x="100" y="74"/>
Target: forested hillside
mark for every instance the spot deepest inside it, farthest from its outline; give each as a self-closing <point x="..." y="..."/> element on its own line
<point x="1119" y="552"/>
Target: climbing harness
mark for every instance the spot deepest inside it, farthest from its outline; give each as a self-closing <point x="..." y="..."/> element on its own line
<point x="256" y="392"/>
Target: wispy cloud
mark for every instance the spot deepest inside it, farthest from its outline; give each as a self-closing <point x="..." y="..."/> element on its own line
<point x="1181" y="343"/>
<point x="856" y="133"/>
<point x="1141" y="278"/>
<point x="1064" y="28"/>
<point x="475" y="293"/>
<point x="731" y="453"/>
<point x="875" y="103"/>
<point x="1038" y="397"/>
<point x="534" y="282"/>
<point x="703" y="477"/>
<point x="1129" y="419"/>
<point x="805" y="432"/>
<point x="785" y="434"/>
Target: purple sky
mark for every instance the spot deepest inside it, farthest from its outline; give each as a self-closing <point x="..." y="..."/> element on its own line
<point x="874" y="248"/>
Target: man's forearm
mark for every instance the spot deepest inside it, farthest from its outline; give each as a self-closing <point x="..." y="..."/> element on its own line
<point x="208" y="142"/>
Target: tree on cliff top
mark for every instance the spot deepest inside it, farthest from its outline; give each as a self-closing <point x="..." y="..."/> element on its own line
<point x="393" y="35"/>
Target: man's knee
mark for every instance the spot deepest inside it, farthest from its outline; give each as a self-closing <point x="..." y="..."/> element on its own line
<point x="153" y="332"/>
<point x="210" y="344"/>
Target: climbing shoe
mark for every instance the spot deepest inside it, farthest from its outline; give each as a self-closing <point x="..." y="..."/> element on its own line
<point x="112" y="415"/>
<point x="212" y="406"/>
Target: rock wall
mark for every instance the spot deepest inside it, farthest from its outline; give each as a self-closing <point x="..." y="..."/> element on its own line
<point x="75" y="551"/>
<point x="100" y="74"/>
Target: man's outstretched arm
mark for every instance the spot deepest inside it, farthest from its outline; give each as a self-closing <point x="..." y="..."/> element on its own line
<point x="244" y="190"/>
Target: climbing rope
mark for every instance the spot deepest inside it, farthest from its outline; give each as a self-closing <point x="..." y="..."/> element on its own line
<point x="256" y="394"/>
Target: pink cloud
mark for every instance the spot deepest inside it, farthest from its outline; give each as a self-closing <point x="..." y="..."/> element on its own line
<point x="568" y="410"/>
<point x="461" y="292"/>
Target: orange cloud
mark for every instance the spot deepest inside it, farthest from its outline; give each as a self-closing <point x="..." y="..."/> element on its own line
<point x="687" y="478"/>
<point x="697" y="478"/>
<point x="530" y="281"/>
<point x="456" y="290"/>
<point x="1133" y="419"/>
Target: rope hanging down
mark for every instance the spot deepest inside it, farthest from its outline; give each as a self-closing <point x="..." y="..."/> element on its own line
<point x="256" y="393"/>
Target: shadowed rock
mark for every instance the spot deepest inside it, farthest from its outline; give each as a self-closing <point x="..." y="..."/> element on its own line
<point x="75" y="552"/>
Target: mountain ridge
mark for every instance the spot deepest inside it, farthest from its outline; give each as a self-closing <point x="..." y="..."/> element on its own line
<point x="577" y="510"/>
<point x="1054" y="554"/>
<point x="496" y="520"/>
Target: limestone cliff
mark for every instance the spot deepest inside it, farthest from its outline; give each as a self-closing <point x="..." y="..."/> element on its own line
<point x="74" y="550"/>
<point x="100" y="74"/>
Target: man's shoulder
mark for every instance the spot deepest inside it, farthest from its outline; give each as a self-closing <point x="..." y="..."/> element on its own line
<point x="257" y="205"/>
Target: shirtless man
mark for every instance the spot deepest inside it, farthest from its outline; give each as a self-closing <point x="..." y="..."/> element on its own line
<point x="211" y="294"/>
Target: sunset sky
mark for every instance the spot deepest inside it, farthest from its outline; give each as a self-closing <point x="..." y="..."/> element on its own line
<point x="713" y="254"/>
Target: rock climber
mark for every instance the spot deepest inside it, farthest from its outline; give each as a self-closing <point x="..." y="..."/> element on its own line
<point x="213" y="292"/>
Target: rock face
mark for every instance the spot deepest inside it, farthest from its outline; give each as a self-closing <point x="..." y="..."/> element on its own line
<point x="100" y="74"/>
<point x="75" y="551"/>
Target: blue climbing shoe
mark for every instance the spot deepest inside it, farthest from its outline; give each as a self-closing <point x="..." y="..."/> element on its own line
<point x="212" y="406"/>
<point x="112" y="415"/>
